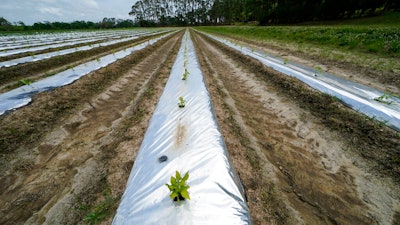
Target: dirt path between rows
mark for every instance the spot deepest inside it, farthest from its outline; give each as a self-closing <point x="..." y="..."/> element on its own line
<point x="303" y="158"/>
<point x="295" y="170"/>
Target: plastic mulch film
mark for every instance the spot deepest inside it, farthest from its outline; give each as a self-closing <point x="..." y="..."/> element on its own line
<point x="371" y="102"/>
<point x="48" y="55"/>
<point x="183" y="139"/>
<point x="37" y="42"/>
<point x="22" y="96"/>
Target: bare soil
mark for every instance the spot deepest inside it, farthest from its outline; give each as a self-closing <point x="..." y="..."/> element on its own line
<point x="302" y="156"/>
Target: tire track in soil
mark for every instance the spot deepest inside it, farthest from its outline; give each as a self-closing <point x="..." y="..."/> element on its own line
<point x="304" y="175"/>
<point x="90" y="152"/>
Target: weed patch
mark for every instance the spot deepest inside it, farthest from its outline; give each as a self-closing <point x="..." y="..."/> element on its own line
<point x="103" y="209"/>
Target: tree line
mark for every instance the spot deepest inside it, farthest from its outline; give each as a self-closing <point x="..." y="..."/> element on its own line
<point x="104" y="24"/>
<point x="147" y="13"/>
<point x="205" y="12"/>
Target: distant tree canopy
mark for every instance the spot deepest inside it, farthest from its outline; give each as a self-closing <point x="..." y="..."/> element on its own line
<point x="193" y="12"/>
<point x="46" y="25"/>
<point x="148" y="13"/>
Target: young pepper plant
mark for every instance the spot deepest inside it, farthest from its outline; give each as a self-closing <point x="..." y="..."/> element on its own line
<point x="178" y="187"/>
<point x="185" y="74"/>
<point x="181" y="103"/>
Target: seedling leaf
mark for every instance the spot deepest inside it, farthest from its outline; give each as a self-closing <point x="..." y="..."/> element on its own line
<point x="174" y="195"/>
<point x="25" y="82"/>
<point x="178" y="187"/>
<point x="173" y="181"/>
<point x="178" y="175"/>
<point x="181" y="103"/>
<point x="185" y="194"/>
<point x="186" y="177"/>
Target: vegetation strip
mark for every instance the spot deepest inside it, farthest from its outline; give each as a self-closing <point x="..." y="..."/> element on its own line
<point x="383" y="67"/>
<point x="382" y="40"/>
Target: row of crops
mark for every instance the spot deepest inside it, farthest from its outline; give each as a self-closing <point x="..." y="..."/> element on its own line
<point x="60" y="44"/>
<point x="375" y="104"/>
<point x="21" y="96"/>
<point x="183" y="138"/>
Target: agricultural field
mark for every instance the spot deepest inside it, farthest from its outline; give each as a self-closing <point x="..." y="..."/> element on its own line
<point x="302" y="156"/>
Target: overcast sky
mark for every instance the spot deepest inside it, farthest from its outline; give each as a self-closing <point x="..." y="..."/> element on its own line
<point x="31" y="11"/>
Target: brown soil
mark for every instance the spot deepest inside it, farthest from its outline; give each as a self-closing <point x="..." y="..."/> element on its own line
<point x="302" y="156"/>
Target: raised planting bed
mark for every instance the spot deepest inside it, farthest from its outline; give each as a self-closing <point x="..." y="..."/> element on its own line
<point x="183" y="148"/>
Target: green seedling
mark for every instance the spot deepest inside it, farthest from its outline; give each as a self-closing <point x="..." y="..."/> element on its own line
<point x="384" y="99"/>
<point x="185" y="74"/>
<point x="181" y="103"/>
<point x="25" y="82"/>
<point x="31" y="54"/>
<point x="319" y="71"/>
<point x="178" y="187"/>
<point x="383" y="123"/>
<point x="101" y="211"/>
<point x="373" y="118"/>
<point x="285" y="61"/>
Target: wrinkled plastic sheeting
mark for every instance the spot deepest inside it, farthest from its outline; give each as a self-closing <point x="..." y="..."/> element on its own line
<point x="21" y="96"/>
<point x="191" y="140"/>
<point x="48" y="55"/>
<point x="48" y="44"/>
<point x="356" y="96"/>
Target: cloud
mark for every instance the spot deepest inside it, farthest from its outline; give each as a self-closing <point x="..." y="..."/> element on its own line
<point x="64" y="10"/>
<point x="49" y="1"/>
<point x="51" y="10"/>
<point x="91" y="4"/>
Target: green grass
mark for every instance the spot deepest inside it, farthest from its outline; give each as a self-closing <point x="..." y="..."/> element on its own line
<point x="368" y="42"/>
<point x="382" y="40"/>
<point x="102" y="210"/>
